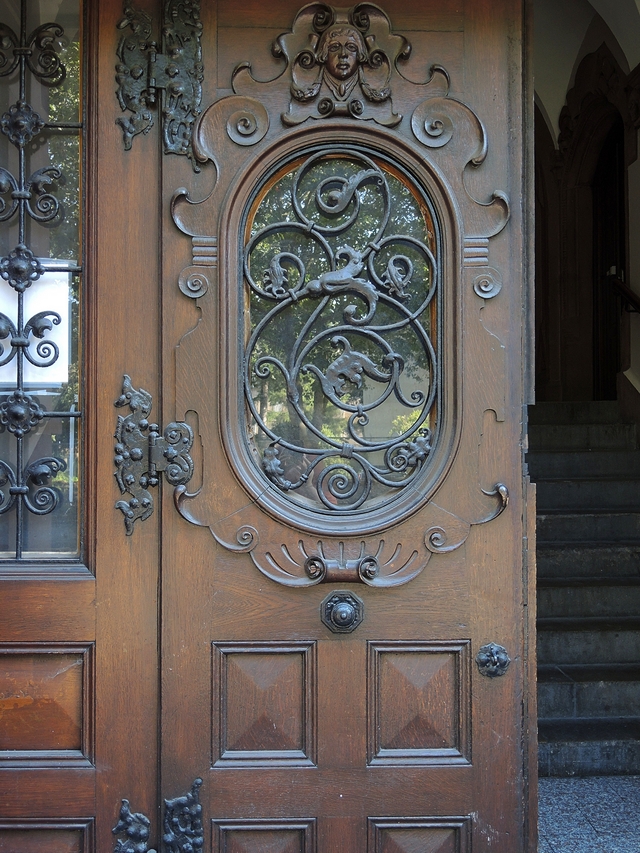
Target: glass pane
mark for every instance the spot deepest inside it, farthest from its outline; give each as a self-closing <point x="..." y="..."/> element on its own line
<point x="54" y="229"/>
<point x="59" y="102"/>
<point x="54" y="534"/>
<point x="341" y="379"/>
<point x="40" y="279"/>
<point x="50" y="312"/>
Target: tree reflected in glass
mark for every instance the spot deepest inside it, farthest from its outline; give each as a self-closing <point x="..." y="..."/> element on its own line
<point x="340" y="365"/>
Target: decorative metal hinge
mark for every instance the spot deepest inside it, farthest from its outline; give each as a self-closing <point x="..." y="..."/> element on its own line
<point x="182" y="825"/>
<point x="143" y="454"/>
<point x="175" y="69"/>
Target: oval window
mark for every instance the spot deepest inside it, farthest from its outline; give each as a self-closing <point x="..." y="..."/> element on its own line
<point x="341" y="318"/>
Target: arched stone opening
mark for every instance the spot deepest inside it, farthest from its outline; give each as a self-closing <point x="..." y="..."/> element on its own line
<point x="581" y="208"/>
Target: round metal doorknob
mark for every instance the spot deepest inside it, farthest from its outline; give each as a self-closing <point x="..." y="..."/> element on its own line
<point x="342" y="612"/>
<point x="343" y="615"/>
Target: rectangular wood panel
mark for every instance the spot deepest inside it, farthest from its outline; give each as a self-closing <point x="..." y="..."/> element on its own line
<point x="46" y="836"/>
<point x="419" y="702"/>
<point x="264" y="836"/>
<point x="264" y="704"/>
<point x="49" y="606"/>
<point x="426" y="835"/>
<point x="45" y="704"/>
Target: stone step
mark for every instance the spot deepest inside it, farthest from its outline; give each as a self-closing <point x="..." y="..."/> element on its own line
<point x="589" y="758"/>
<point x="571" y="412"/>
<point x="588" y="699"/>
<point x="588" y="561"/>
<point x="603" y="527"/>
<point x="587" y="495"/>
<point x="595" y="641"/>
<point x="574" y="672"/>
<point x="588" y="623"/>
<point x="588" y="599"/>
<point x="589" y="728"/>
<point x="573" y="437"/>
<point x="584" y="464"/>
<point x="589" y="747"/>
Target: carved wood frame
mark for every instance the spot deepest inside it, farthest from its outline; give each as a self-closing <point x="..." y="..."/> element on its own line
<point x="436" y="138"/>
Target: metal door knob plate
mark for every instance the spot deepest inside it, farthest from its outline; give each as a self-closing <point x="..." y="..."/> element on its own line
<point x="492" y="660"/>
<point x="342" y="612"/>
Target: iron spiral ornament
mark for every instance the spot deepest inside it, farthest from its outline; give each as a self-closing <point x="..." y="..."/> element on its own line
<point x="341" y="374"/>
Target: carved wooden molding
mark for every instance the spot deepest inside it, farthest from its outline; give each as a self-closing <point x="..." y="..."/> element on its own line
<point x="434" y="138"/>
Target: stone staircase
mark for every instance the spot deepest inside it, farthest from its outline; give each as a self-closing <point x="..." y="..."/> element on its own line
<point x="586" y="464"/>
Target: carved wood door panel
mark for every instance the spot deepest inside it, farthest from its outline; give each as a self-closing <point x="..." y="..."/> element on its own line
<point x="344" y="629"/>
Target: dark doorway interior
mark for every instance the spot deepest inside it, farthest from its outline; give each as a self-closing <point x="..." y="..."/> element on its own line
<point x="609" y="262"/>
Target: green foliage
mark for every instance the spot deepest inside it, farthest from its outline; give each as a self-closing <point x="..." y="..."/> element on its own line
<point x="292" y="330"/>
<point x="65" y="153"/>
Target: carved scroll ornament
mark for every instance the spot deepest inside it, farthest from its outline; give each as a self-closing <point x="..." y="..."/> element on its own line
<point x="341" y="63"/>
<point x="302" y="561"/>
<point x="345" y="75"/>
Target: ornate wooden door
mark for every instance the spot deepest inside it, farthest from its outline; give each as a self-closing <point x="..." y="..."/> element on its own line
<point x="344" y="628"/>
<point x="328" y="627"/>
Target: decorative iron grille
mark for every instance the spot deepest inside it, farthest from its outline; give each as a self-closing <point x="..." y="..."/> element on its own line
<point x="39" y="254"/>
<point x="341" y="377"/>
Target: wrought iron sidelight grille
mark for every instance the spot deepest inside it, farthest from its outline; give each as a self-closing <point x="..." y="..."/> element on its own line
<point x="41" y="281"/>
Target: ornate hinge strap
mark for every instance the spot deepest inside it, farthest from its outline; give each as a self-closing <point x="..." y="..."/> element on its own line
<point x="175" y="69"/>
<point x="182" y="822"/>
<point x="182" y="826"/>
<point x="143" y="453"/>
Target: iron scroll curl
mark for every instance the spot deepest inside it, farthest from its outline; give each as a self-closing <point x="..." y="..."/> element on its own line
<point x="343" y="288"/>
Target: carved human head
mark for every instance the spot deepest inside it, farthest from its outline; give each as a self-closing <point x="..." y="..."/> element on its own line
<point x="341" y="50"/>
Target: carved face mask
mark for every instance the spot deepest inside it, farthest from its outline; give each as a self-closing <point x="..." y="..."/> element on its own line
<point x="343" y="53"/>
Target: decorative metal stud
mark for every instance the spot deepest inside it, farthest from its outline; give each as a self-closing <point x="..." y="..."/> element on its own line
<point x="342" y="612"/>
<point x="492" y="660"/>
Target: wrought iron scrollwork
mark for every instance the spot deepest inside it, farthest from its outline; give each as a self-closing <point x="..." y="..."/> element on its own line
<point x="175" y="70"/>
<point x="27" y="485"/>
<point x="349" y="282"/>
<point x="143" y="453"/>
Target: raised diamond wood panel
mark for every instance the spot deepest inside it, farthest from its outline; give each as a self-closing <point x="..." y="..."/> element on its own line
<point x="264" y="695"/>
<point x="46" y="836"/>
<point x="419" y="835"/>
<point x="256" y="836"/>
<point x="45" y="703"/>
<point x="419" y="697"/>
